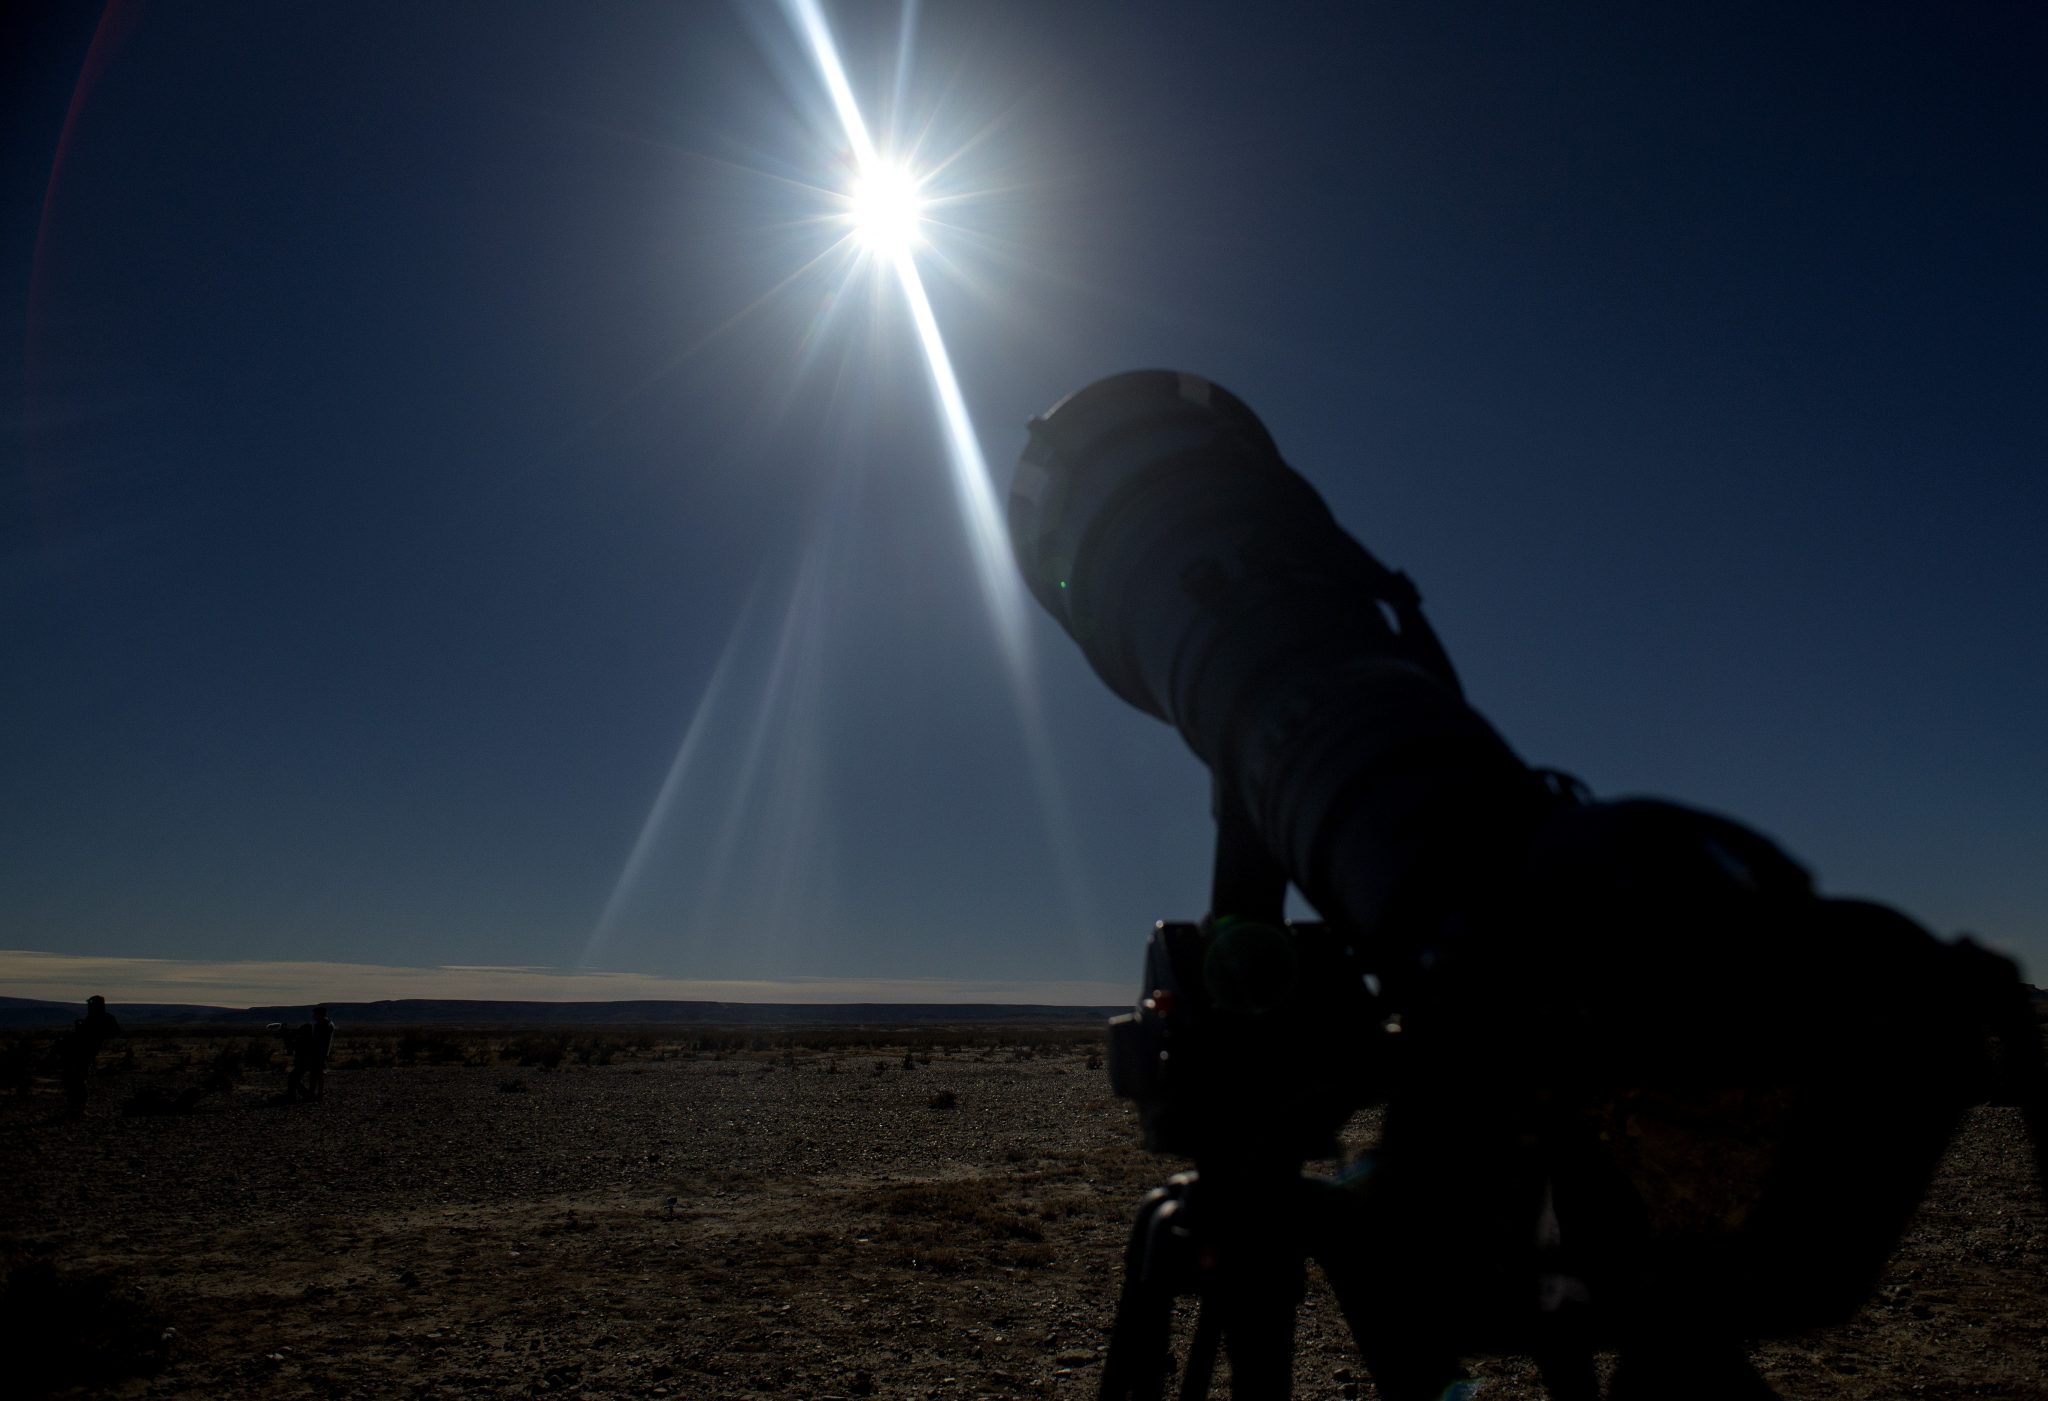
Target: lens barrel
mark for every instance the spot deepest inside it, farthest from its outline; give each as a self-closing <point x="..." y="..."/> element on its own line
<point x="1208" y="585"/>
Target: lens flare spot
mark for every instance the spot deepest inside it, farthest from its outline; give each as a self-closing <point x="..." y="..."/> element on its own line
<point x="887" y="210"/>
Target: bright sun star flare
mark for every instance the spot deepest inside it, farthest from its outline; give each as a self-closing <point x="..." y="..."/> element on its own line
<point x="887" y="210"/>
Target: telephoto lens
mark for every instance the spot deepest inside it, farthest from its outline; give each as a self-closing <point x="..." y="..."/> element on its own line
<point x="1209" y="585"/>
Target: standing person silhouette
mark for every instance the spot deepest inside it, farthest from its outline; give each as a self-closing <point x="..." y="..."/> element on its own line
<point x="319" y="1041"/>
<point x="81" y="1049"/>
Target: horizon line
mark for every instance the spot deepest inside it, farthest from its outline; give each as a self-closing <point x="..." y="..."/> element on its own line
<point x="240" y="984"/>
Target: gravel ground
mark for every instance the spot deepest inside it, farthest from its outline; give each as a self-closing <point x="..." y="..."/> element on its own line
<point x="842" y="1226"/>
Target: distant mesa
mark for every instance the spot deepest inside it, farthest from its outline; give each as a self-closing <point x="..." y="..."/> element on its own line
<point x="38" y="1012"/>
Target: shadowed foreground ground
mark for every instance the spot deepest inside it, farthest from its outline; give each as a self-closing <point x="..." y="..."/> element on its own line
<point x="844" y="1225"/>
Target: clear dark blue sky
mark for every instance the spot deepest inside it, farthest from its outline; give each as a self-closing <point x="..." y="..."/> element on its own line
<point x="419" y="416"/>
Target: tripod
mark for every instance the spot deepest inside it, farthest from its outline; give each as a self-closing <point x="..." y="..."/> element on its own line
<point x="1239" y="1242"/>
<point x="1261" y="1022"/>
<point x="1241" y="1249"/>
<point x="1500" y="1219"/>
<point x="1251" y="1088"/>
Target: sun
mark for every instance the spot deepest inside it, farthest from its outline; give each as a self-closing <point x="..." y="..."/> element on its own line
<point x="887" y="210"/>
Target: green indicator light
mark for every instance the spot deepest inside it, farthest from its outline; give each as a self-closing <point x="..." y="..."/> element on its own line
<point x="1063" y="583"/>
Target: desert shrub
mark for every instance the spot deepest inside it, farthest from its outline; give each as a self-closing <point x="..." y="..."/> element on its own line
<point x="944" y="1259"/>
<point x="546" y="1052"/>
<point x="958" y="1203"/>
<point x="149" y="1100"/>
<point x="226" y="1070"/>
<point x="944" y="1225"/>
<point x="415" y="1045"/>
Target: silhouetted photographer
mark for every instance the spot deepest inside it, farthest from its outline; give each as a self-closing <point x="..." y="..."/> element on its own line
<point x="308" y="1045"/>
<point x="80" y="1050"/>
<point x="1646" y="1090"/>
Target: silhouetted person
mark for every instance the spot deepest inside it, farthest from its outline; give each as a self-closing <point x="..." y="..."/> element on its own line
<point x="297" y="1044"/>
<point x="308" y="1044"/>
<point x="21" y="1065"/>
<point x="320" y="1040"/>
<point x="82" y="1048"/>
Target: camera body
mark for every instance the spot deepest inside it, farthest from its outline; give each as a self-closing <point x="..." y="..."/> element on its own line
<point x="1250" y="1038"/>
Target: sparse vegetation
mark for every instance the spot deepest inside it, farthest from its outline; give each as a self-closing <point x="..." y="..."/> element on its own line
<point x="456" y="1226"/>
<point x="958" y="1224"/>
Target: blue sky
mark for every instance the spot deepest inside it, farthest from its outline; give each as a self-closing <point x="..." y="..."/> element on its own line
<point x="428" y="420"/>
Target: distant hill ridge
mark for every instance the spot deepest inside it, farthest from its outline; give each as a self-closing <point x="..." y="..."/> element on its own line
<point x="33" y="1012"/>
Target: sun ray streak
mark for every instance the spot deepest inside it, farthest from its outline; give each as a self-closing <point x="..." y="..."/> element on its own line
<point x="974" y="492"/>
<point x="792" y="659"/>
<point x="972" y="489"/>
<point x="906" y="40"/>
<point x="665" y="797"/>
<point x="811" y="23"/>
<point x="977" y="497"/>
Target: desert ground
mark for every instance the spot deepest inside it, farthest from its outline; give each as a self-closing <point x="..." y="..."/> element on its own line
<point x="676" y="1213"/>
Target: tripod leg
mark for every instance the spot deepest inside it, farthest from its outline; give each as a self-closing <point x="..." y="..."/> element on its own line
<point x="1201" y="1368"/>
<point x="1136" y="1365"/>
<point x="1258" y="1305"/>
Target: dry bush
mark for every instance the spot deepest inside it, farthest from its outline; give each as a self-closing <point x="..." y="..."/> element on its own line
<point x="416" y="1044"/>
<point x="956" y="1224"/>
<point x="544" y="1052"/>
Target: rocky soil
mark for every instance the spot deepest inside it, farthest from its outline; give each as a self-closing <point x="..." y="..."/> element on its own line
<point x="795" y="1221"/>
